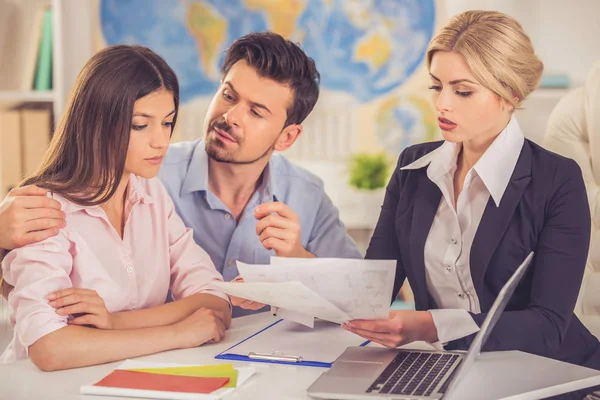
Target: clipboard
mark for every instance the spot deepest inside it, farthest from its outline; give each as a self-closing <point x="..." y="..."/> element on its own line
<point x="289" y="343"/>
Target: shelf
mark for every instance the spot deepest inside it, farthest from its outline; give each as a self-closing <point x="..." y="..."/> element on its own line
<point x="16" y="96"/>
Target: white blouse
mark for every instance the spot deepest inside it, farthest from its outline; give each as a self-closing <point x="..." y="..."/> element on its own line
<point x="448" y="246"/>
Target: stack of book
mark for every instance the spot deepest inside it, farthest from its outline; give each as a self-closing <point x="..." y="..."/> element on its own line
<point x="41" y="79"/>
<point x="27" y="41"/>
<point x="27" y="45"/>
<point x="24" y="138"/>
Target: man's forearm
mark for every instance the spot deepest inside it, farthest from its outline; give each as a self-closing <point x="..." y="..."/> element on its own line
<point x="75" y="346"/>
<point x="170" y="313"/>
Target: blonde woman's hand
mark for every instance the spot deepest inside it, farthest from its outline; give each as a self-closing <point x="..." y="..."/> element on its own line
<point x="402" y="327"/>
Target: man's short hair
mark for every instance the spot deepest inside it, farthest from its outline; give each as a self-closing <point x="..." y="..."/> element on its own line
<point x="283" y="61"/>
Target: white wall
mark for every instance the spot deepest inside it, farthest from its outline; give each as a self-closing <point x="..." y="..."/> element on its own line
<point x="564" y="33"/>
<point x="565" y="37"/>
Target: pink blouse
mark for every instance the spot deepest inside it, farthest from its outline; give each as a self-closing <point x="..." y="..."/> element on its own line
<point x="157" y="253"/>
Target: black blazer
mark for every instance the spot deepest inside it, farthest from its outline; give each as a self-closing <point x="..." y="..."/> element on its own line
<point x="544" y="209"/>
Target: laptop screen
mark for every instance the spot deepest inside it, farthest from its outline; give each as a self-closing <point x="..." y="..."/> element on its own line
<point x="489" y="323"/>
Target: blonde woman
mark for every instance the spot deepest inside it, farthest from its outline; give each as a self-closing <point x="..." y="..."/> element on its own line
<point x="460" y="215"/>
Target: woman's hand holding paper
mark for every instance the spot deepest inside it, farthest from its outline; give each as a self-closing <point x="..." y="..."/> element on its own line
<point x="402" y="327"/>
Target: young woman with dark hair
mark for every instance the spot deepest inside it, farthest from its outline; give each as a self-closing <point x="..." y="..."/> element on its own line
<point x="95" y="293"/>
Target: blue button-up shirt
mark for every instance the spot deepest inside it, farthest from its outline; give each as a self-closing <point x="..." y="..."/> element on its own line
<point x="185" y="175"/>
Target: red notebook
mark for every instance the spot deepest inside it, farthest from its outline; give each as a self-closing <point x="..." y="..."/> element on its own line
<point x="167" y="383"/>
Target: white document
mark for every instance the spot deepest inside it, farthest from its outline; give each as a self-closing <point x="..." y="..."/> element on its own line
<point x="244" y="373"/>
<point x="288" y="295"/>
<point x="361" y="289"/>
<point x="325" y="343"/>
<point x="304" y="319"/>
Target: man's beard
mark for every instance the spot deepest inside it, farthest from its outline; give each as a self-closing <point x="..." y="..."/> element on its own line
<point x="215" y="148"/>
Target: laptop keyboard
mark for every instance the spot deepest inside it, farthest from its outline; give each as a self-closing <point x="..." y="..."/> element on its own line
<point x="414" y="373"/>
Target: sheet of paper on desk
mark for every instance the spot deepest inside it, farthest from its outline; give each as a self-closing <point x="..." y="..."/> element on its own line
<point x="325" y="343"/>
<point x="360" y="288"/>
<point x="292" y="296"/>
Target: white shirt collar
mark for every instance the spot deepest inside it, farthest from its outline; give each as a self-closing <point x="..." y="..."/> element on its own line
<point x="495" y="167"/>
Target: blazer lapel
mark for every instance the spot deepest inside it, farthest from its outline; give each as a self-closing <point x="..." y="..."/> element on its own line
<point x="495" y="220"/>
<point x="427" y="201"/>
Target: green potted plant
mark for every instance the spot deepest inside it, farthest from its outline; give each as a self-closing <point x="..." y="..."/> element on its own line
<point x="369" y="171"/>
<point x="369" y="174"/>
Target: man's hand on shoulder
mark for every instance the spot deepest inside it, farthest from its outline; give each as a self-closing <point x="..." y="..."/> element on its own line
<point x="28" y="216"/>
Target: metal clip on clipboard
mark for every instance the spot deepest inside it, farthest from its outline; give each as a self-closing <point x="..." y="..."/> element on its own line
<point x="275" y="356"/>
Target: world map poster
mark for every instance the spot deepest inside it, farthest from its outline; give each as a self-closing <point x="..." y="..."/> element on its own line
<point x="370" y="54"/>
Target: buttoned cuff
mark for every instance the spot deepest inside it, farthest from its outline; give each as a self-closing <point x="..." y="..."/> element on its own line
<point x="452" y="324"/>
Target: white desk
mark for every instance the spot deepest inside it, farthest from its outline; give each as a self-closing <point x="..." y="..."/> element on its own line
<point x="22" y="380"/>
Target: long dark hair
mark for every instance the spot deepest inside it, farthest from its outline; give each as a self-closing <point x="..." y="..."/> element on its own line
<point x="86" y="157"/>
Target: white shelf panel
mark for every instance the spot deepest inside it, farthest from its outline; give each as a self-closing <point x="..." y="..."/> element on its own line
<point x="24" y="97"/>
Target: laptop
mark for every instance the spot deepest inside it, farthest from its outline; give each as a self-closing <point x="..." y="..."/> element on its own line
<point x="380" y="373"/>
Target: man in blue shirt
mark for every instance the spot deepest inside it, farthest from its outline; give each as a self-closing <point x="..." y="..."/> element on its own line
<point x="243" y="200"/>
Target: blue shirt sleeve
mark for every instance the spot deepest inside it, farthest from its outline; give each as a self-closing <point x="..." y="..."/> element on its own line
<point x="328" y="237"/>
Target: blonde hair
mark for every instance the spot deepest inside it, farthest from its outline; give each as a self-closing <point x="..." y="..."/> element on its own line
<point x="497" y="50"/>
